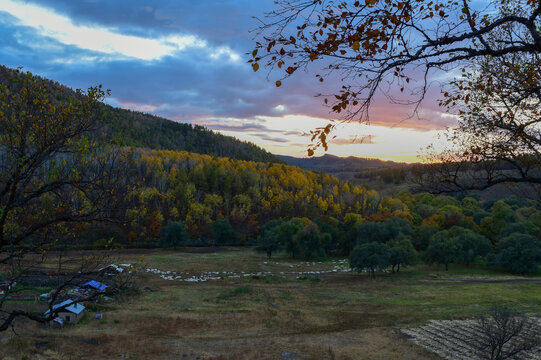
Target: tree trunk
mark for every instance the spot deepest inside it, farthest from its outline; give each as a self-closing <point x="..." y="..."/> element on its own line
<point x="393" y="269"/>
<point x="398" y="270"/>
<point x="446" y="267"/>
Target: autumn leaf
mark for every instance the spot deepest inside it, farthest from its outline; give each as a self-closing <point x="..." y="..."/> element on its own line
<point x="356" y="46"/>
<point x="290" y="70"/>
<point x="278" y="83"/>
<point x="255" y="66"/>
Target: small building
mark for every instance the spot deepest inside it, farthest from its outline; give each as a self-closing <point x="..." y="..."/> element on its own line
<point x="111" y="270"/>
<point x="93" y="284"/>
<point x="70" y="313"/>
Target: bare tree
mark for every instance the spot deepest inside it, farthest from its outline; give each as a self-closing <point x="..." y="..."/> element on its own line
<point x="505" y="334"/>
<point x="498" y="138"/>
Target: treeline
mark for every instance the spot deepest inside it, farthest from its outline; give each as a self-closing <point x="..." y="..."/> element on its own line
<point x="431" y="229"/>
<point x="131" y="128"/>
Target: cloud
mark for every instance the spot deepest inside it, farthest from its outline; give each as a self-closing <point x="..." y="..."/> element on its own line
<point x="355" y="139"/>
<point x="185" y="60"/>
<point x="264" y="136"/>
<point x="107" y="40"/>
<point x="229" y="125"/>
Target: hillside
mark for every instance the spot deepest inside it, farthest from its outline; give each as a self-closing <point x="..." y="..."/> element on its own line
<point x="153" y="132"/>
<point x="143" y="130"/>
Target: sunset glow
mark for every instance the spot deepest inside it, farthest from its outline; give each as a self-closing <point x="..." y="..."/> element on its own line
<point x="175" y="61"/>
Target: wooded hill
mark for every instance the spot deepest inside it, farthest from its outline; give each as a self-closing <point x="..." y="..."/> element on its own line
<point x="137" y="129"/>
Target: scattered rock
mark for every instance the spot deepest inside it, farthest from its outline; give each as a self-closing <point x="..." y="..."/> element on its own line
<point x="91" y="341"/>
<point x="286" y="355"/>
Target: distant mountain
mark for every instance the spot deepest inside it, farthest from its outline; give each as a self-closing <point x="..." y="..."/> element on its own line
<point x="335" y="164"/>
<point x="142" y="130"/>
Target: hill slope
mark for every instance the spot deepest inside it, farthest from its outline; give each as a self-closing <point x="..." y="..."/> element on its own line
<point x="148" y="131"/>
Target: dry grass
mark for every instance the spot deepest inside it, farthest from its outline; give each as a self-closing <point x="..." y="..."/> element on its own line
<point x="345" y="316"/>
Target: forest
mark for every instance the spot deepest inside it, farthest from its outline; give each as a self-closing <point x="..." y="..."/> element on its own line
<point x="200" y="200"/>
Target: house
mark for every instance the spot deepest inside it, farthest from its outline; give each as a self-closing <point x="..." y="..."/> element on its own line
<point x="93" y="284"/>
<point x="111" y="270"/>
<point x="71" y="312"/>
<point x="5" y="285"/>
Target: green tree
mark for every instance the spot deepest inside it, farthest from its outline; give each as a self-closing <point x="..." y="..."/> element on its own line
<point x="502" y="214"/>
<point x="385" y="231"/>
<point x="471" y="245"/>
<point x="269" y="240"/>
<point x="288" y="231"/>
<point x="224" y="233"/>
<point x="371" y="256"/>
<point x="422" y="236"/>
<point x="443" y="249"/>
<point x="173" y="234"/>
<point x="520" y="253"/>
<point x="347" y="237"/>
<point x="523" y="227"/>
<point x="309" y="242"/>
<point x="402" y="252"/>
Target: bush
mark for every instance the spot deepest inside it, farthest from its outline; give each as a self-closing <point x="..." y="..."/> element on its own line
<point x="173" y="235"/>
<point x="224" y="233"/>
<point x="372" y="256"/>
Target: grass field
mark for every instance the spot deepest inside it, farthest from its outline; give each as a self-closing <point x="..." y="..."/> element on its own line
<point x="271" y="310"/>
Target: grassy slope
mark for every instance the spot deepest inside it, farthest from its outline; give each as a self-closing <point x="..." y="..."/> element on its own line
<point x="346" y="315"/>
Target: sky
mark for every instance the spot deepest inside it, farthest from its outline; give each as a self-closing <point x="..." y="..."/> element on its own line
<point x="186" y="60"/>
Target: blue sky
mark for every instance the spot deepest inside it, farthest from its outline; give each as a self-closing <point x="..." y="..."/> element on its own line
<point x="186" y="61"/>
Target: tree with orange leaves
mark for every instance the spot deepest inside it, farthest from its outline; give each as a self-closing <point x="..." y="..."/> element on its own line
<point x="395" y="46"/>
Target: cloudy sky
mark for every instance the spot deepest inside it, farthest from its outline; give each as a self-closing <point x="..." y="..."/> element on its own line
<point x="186" y="60"/>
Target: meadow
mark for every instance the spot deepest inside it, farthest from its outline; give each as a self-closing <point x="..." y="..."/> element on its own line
<point x="257" y="308"/>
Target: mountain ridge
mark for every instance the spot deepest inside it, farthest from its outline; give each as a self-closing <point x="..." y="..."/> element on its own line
<point x="132" y="128"/>
<point x="333" y="164"/>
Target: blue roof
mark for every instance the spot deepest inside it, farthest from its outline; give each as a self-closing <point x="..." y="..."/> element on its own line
<point x="95" y="284"/>
<point x="70" y="306"/>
